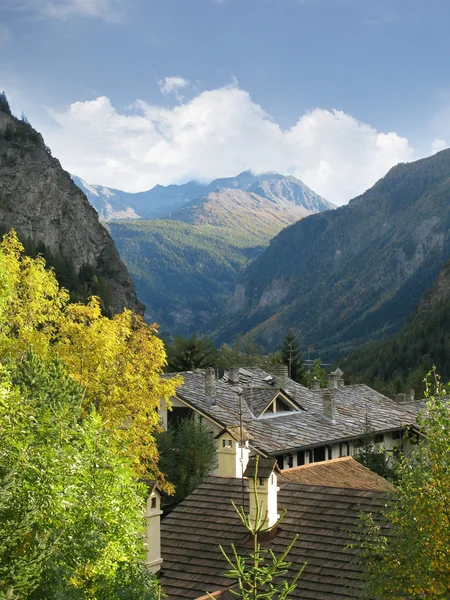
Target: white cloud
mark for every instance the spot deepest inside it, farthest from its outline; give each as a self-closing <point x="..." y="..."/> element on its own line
<point x="171" y="84"/>
<point x="219" y="133"/>
<point x="110" y="10"/>
<point x="438" y="145"/>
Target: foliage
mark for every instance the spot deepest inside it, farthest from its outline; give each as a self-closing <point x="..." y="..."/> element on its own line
<point x="292" y="356"/>
<point x="192" y="353"/>
<point x="188" y="454"/>
<point x="399" y="363"/>
<point x="371" y="455"/>
<point x="182" y="272"/>
<point x="317" y="372"/>
<point x="413" y="560"/>
<point x="118" y="361"/>
<point x="260" y="576"/>
<point x="4" y="104"/>
<point x="76" y="513"/>
<point x="246" y="352"/>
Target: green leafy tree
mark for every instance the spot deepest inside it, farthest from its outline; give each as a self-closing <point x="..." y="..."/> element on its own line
<point x="188" y="454"/>
<point x="186" y="354"/>
<point x="76" y="508"/>
<point x="261" y="575"/>
<point x="410" y="559"/>
<point x="317" y="372"/>
<point x="291" y="355"/>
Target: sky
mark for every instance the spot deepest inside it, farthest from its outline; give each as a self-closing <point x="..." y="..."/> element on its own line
<point x="134" y="93"/>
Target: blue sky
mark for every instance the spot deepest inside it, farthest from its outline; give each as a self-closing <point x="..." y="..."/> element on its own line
<point x="130" y="93"/>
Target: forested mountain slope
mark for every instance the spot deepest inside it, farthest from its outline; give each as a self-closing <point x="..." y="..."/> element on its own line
<point x="185" y="267"/>
<point x="401" y="362"/>
<point x="350" y="275"/>
<point x="39" y="199"/>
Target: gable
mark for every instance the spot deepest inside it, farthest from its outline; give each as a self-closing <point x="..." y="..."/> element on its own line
<point x="280" y="404"/>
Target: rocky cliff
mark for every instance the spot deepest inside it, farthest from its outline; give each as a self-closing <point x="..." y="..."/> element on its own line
<point x="39" y="199"/>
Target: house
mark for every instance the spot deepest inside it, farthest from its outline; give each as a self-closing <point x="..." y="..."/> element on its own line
<point x="324" y="515"/>
<point x="285" y="420"/>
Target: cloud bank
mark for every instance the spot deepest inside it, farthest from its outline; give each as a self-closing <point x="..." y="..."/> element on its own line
<point x="171" y="84"/>
<point x="219" y="133"/>
<point x="109" y="10"/>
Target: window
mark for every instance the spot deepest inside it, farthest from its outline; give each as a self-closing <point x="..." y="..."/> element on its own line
<point x="227" y="443"/>
<point x="319" y="454"/>
<point x="153" y="503"/>
<point x="311" y="456"/>
<point x="330" y="452"/>
<point x="300" y="458"/>
<point x="378" y="438"/>
<point x="344" y="449"/>
<point x="261" y="481"/>
<point x="280" y="461"/>
<point x="396" y="435"/>
<point x="283" y="406"/>
<point x="290" y="458"/>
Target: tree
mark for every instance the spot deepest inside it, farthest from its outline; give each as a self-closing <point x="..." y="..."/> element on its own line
<point x="118" y="361"/>
<point x="291" y="355"/>
<point x="370" y="454"/>
<point x="317" y="372"/>
<point x="4" y="104"/>
<point x="187" y="354"/>
<point x="188" y="454"/>
<point x="260" y="575"/>
<point x="73" y="528"/>
<point x="412" y="560"/>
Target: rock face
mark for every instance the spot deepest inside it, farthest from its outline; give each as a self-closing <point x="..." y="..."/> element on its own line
<point x="353" y="274"/>
<point x="39" y="199"/>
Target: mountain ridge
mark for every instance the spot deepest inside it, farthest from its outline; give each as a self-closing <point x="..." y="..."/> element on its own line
<point x="39" y="199"/>
<point x="345" y="276"/>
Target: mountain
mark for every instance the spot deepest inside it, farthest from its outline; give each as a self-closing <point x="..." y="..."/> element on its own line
<point x="50" y="213"/>
<point x="162" y="201"/>
<point x="350" y="275"/>
<point x="186" y="266"/>
<point x="401" y="362"/>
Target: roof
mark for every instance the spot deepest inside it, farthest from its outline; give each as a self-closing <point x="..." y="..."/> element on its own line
<point x="236" y="433"/>
<point x="343" y="472"/>
<point x="291" y="431"/>
<point x="325" y="518"/>
<point x="222" y="594"/>
<point x="260" y="467"/>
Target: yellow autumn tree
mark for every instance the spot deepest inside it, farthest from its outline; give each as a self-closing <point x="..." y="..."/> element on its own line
<point x="119" y="361"/>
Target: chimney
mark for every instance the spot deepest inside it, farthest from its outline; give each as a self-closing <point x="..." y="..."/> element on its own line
<point x="314" y="385"/>
<point x="210" y="385"/>
<point x="232" y="453"/>
<point x="400" y="397"/>
<point x="153" y="530"/>
<point x="329" y="407"/>
<point x="411" y="394"/>
<point x="263" y="490"/>
<point x="233" y="375"/>
<point x="332" y="381"/>
<point x="280" y="373"/>
<point x="339" y="377"/>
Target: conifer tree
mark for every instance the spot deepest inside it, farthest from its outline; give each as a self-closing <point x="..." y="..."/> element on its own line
<point x="291" y="355"/>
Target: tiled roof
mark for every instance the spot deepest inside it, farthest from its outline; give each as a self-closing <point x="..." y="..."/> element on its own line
<point x="324" y="518"/>
<point x="292" y="431"/>
<point x="340" y="472"/>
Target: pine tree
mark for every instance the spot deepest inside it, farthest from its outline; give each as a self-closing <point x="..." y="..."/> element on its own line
<point x="4" y="104"/>
<point x="291" y="355"/>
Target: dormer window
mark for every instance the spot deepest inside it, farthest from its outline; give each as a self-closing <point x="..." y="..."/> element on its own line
<point x="261" y="481"/>
<point x="227" y="443"/>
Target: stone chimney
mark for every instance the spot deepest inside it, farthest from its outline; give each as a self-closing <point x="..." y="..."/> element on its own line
<point x="400" y="397"/>
<point x="411" y="394"/>
<point x="232" y="452"/>
<point x="280" y="373"/>
<point x="210" y="385"/>
<point x="233" y="375"/>
<point x="262" y="479"/>
<point x="329" y="406"/>
<point x="153" y="530"/>
<point x="332" y="381"/>
<point x="314" y="385"/>
<point x="339" y="377"/>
